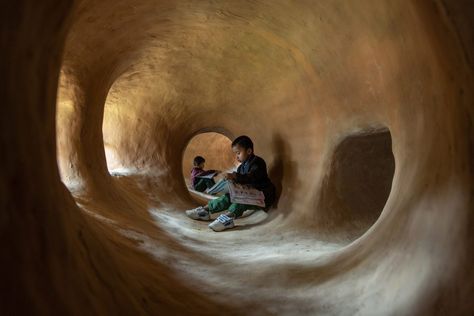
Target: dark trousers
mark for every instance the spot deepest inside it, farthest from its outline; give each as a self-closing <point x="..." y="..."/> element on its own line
<point x="203" y="184"/>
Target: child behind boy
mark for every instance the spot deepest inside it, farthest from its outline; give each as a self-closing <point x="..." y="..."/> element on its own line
<point x="201" y="184"/>
<point x="251" y="172"/>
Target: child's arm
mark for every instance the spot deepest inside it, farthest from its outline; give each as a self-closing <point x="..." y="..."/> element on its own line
<point x="205" y="172"/>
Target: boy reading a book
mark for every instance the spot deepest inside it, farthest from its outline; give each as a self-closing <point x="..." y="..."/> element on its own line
<point x="201" y="179"/>
<point x="252" y="172"/>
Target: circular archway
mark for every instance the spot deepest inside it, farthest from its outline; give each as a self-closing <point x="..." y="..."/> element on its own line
<point x="214" y="147"/>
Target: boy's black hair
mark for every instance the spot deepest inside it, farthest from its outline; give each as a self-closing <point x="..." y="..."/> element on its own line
<point x="243" y="141"/>
<point x="198" y="160"/>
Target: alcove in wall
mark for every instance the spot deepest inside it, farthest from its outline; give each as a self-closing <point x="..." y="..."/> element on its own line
<point x="358" y="183"/>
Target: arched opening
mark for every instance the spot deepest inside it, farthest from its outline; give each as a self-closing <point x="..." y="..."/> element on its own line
<point x="298" y="73"/>
<point x="215" y="148"/>
<point x="358" y="184"/>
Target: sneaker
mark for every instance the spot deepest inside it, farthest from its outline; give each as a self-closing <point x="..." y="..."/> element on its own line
<point x="198" y="213"/>
<point x="221" y="223"/>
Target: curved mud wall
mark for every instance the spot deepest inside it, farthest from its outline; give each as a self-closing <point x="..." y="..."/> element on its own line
<point x="299" y="78"/>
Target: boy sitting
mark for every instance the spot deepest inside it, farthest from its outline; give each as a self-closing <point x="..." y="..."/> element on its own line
<point x="253" y="172"/>
<point x="201" y="184"/>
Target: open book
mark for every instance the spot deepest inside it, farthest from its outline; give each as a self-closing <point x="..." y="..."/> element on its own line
<point x="239" y="193"/>
<point x="208" y="176"/>
<point x="219" y="187"/>
<point x="243" y="194"/>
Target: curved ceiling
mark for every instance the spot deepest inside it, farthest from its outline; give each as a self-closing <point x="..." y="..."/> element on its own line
<point x="301" y="78"/>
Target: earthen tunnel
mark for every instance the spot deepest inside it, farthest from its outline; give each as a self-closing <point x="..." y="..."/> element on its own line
<point x="363" y="111"/>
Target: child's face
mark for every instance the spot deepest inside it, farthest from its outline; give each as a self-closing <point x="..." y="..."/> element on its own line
<point x="201" y="165"/>
<point x="241" y="154"/>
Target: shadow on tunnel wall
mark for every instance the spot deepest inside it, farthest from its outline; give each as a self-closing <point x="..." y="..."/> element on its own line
<point x="282" y="170"/>
<point x="355" y="190"/>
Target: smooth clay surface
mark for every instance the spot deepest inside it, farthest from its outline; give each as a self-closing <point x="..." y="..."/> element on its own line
<point x="363" y="111"/>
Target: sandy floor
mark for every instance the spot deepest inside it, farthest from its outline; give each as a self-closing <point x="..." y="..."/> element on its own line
<point x="362" y="110"/>
<point x="243" y="264"/>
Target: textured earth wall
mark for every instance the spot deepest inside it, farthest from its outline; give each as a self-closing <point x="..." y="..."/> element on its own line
<point x="363" y="111"/>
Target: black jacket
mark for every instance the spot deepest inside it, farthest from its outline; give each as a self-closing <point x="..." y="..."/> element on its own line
<point x="253" y="172"/>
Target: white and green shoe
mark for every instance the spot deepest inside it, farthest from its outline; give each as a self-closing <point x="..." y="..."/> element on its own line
<point x="221" y="223"/>
<point x="199" y="213"/>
